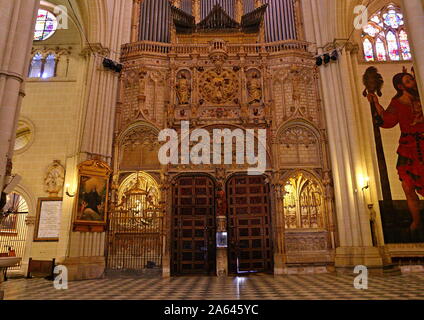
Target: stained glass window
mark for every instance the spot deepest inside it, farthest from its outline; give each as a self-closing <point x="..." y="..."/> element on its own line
<point x="392" y="46"/>
<point x="49" y="66"/>
<point x="368" y="50"/>
<point x="36" y="66"/>
<point x="384" y="37"/>
<point x="42" y="66"/>
<point x="45" y="25"/>
<point x="380" y="50"/>
<point x="404" y="45"/>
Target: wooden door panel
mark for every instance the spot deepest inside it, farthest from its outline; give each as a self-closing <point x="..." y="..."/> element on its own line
<point x="249" y="223"/>
<point x="193" y="226"/>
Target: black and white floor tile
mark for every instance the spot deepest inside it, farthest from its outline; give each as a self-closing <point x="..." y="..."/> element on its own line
<point x="291" y="287"/>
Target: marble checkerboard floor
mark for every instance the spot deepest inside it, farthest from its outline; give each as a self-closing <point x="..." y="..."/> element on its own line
<point x="316" y="287"/>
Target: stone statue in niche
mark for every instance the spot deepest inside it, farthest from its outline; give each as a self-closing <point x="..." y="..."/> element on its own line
<point x="54" y="179"/>
<point x="254" y="88"/>
<point x="183" y="88"/>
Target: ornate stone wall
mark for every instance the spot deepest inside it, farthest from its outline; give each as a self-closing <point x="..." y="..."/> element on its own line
<point x="249" y="86"/>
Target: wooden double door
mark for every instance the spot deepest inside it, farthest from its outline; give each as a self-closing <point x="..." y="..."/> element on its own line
<point x="194" y="225"/>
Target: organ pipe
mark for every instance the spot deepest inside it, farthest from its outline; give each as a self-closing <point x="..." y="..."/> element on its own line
<point x="280" y="19"/>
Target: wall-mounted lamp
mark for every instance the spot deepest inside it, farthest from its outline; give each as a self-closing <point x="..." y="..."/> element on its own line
<point x="70" y="195"/>
<point x="365" y="183"/>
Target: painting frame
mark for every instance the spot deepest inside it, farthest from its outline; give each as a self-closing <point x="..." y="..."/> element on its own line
<point x="38" y="216"/>
<point x="92" y="196"/>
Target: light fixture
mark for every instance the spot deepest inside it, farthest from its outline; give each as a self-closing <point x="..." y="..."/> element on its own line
<point x="335" y="55"/>
<point x="112" y="65"/>
<point x="327" y="58"/>
<point x="365" y="183"/>
<point x="70" y="195"/>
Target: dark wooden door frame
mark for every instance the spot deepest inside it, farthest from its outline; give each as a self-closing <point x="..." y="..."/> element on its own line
<point x="263" y="240"/>
<point x="188" y="230"/>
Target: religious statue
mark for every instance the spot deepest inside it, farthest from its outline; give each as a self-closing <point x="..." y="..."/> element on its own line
<point x="55" y="177"/>
<point x="406" y="111"/>
<point x="183" y="89"/>
<point x="254" y="88"/>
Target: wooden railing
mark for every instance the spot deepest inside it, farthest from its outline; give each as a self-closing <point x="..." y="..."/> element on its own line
<point x="158" y="48"/>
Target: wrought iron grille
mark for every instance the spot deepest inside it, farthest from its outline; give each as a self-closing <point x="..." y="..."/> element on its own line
<point x="135" y="232"/>
<point x="13" y="227"/>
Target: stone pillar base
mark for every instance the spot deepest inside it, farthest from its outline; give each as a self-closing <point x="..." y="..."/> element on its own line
<point x="221" y="262"/>
<point x="347" y="258"/>
<point x="84" y="268"/>
<point x="166" y="266"/>
<point x="279" y="266"/>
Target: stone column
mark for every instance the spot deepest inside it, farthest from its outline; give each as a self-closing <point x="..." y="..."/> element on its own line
<point x="347" y="158"/>
<point x="221" y="253"/>
<point x="196" y="10"/>
<point x="17" y="30"/>
<point x="414" y="17"/>
<point x="84" y="252"/>
<point x="278" y="216"/>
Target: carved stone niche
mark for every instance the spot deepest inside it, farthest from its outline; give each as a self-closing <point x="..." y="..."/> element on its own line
<point x="54" y="178"/>
<point x="139" y="149"/>
<point x="219" y="87"/>
<point x="183" y="87"/>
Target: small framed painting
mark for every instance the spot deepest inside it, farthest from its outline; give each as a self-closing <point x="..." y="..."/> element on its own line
<point x="91" y="204"/>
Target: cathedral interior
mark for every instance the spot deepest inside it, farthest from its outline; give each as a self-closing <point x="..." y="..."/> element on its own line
<point x="92" y="91"/>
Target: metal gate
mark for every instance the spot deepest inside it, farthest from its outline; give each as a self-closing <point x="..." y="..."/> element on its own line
<point x="193" y="226"/>
<point x="249" y="223"/>
<point x="13" y="227"/>
<point x="135" y="233"/>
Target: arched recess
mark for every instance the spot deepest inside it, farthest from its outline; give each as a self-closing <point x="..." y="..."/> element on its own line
<point x="135" y="226"/>
<point x="145" y="181"/>
<point x="14" y="229"/>
<point x="303" y="202"/>
<point x="307" y="218"/>
<point x="299" y="144"/>
<point x="137" y="148"/>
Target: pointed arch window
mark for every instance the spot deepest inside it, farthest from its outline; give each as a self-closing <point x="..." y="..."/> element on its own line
<point x="43" y="67"/>
<point x="384" y="38"/>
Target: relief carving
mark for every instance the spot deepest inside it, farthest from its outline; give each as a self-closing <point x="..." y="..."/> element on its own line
<point x="54" y="179"/>
<point x="219" y="87"/>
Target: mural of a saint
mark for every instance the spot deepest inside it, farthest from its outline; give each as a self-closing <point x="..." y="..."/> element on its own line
<point x="405" y="109"/>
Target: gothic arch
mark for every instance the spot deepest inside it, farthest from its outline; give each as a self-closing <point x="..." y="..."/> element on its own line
<point x="137" y="148"/>
<point x="299" y="143"/>
<point x="304" y="205"/>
